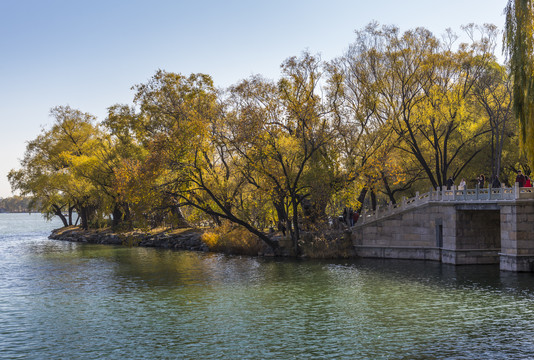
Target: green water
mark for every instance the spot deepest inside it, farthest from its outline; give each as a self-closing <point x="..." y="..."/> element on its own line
<point x="61" y="300"/>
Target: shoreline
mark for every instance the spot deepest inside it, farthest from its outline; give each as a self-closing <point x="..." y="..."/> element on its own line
<point x="335" y="245"/>
<point x="180" y="239"/>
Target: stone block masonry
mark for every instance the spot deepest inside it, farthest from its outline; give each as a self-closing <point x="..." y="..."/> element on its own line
<point x="517" y="236"/>
<point x="452" y="228"/>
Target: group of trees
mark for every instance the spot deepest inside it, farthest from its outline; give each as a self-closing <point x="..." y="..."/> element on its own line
<point x="15" y="204"/>
<point x="397" y="113"/>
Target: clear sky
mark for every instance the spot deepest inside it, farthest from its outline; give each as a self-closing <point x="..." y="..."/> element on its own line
<point x="88" y="54"/>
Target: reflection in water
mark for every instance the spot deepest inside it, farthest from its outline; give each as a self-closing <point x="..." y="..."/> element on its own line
<point x="68" y="300"/>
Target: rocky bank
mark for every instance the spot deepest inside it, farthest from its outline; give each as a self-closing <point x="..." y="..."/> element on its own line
<point x="182" y="239"/>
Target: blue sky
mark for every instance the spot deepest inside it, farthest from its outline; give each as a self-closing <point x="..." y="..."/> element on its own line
<point x="88" y="54"/>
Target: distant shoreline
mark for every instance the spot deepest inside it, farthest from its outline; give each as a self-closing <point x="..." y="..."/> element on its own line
<point x="19" y="212"/>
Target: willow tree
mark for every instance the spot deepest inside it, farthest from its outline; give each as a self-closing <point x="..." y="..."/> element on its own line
<point x="421" y="89"/>
<point x="519" y="45"/>
<point x="282" y="134"/>
<point x="366" y="139"/>
<point x="56" y="167"/>
<point x="453" y="135"/>
<point x="492" y="100"/>
<point x="162" y="142"/>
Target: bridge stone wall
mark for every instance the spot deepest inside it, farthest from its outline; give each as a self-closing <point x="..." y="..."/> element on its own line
<point x="477" y="238"/>
<point x="517" y="236"/>
<point x="478" y="229"/>
<point x="433" y="231"/>
<point x="409" y="234"/>
<point x="490" y="226"/>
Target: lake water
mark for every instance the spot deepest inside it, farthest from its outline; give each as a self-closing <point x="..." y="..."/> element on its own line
<point x="61" y="300"/>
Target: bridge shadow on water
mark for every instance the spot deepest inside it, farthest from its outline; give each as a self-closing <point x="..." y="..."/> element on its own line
<point x="488" y="277"/>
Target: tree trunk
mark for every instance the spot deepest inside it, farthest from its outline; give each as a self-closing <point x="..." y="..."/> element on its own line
<point x="296" y="231"/>
<point x="71" y="210"/>
<point x="117" y="216"/>
<point x="361" y="198"/>
<point x="373" y="200"/>
<point x="84" y="223"/>
<point x="389" y="192"/>
<point x="282" y="216"/>
<point x="178" y="218"/>
<point x="58" y="212"/>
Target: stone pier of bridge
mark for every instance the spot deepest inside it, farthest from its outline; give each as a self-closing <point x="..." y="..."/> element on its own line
<point x="478" y="226"/>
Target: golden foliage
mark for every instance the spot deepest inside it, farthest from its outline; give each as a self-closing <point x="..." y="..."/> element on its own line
<point x="232" y="239"/>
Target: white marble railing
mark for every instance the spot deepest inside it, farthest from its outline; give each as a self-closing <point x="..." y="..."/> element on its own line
<point x="475" y="195"/>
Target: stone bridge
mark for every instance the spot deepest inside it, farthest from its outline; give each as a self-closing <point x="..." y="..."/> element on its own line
<point x="472" y="226"/>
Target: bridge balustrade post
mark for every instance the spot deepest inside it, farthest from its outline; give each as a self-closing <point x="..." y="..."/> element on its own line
<point x="511" y="194"/>
<point x="516" y="191"/>
<point x="445" y="194"/>
<point x="477" y="190"/>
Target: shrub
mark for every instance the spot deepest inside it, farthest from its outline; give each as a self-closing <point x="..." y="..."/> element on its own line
<point x="232" y="239"/>
<point x="322" y="245"/>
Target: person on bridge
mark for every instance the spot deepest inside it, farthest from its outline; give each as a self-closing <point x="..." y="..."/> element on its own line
<point x="450" y="183"/>
<point x="347" y="216"/>
<point x="520" y="178"/>
<point x="496" y="183"/>
<point x="462" y="185"/>
<point x="481" y="180"/>
<point x="527" y="182"/>
<point x="355" y="217"/>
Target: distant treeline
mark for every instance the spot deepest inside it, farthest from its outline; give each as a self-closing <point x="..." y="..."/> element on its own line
<point x="15" y="204"/>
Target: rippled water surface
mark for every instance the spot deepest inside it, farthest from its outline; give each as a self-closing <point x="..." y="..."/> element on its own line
<point x="61" y="300"/>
